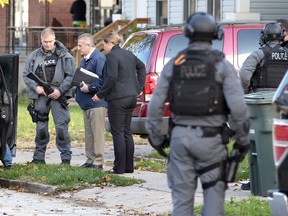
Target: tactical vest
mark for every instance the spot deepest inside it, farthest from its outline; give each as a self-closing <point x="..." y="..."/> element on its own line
<point x="193" y="89"/>
<point x="49" y="67"/>
<point x="270" y="72"/>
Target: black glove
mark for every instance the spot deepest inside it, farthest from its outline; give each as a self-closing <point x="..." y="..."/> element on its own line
<point x="160" y="148"/>
<point x="242" y="151"/>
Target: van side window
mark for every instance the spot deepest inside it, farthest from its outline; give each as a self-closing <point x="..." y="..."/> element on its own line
<point x="179" y="42"/>
<point x="175" y="44"/>
<point x="140" y="45"/>
<point x="248" y="42"/>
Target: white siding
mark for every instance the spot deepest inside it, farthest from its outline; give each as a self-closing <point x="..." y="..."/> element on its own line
<point x="202" y="6"/>
<point x="228" y="6"/>
<point x="127" y="9"/>
<point x="269" y="10"/>
<point x="175" y="13"/>
<point x="141" y="8"/>
<point x="151" y="11"/>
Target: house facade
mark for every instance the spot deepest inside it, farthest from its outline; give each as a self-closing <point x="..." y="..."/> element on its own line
<point x="22" y="19"/>
<point x="163" y="12"/>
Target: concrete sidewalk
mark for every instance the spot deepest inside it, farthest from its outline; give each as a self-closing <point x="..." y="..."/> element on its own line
<point x="150" y="198"/>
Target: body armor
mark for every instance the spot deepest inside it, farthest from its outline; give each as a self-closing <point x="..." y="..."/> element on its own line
<point x="270" y="72"/>
<point x="194" y="90"/>
<point x="47" y="72"/>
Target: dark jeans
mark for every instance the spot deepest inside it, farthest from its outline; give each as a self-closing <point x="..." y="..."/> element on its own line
<point x="120" y="115"/>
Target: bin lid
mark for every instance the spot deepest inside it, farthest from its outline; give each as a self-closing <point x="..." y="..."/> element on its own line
<point x="260" y="97"/>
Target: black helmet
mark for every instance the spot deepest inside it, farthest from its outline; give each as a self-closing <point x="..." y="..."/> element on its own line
<point x="202" y="27"/>
<point x="272" y="31"/>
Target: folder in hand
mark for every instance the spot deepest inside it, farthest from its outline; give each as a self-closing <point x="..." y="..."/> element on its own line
<point x="82" y="74"/>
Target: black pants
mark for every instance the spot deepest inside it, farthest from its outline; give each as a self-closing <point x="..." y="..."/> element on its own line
<point x="120" y="115"/>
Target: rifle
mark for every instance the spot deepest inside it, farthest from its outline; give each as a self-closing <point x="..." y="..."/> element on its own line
<point x="48" y="90"/>
<point x="232" y="166"/>
<point x="233" y="162"/>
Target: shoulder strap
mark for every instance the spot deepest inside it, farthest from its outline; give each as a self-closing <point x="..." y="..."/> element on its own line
<point x="266" y="50"/>
<point x="218" y="54"/>
<point x="34" y="58"/>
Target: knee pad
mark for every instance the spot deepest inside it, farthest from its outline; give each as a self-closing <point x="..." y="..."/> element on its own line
<point x="42" y="134"/>
<point x="60" y="134"/>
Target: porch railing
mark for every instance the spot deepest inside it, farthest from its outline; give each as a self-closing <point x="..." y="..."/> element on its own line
<point x="122" y="27"/>
<point x="24" y="40"/>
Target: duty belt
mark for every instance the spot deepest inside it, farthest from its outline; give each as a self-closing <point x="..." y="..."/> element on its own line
<point x="207" y="131"/>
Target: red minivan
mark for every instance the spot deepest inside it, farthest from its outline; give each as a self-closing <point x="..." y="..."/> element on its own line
<point x="155" y="47"/>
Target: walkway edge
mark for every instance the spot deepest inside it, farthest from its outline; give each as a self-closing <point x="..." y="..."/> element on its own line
<point x="28" y="186"/>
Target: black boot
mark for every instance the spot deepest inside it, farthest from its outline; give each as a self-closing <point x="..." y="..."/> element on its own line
<point x="245" y="186"/>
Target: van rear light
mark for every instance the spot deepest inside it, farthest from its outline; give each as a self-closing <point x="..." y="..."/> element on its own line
<point x="279" y="151"/>
<point x="281" y="132"/>
<point x="280" y="138"/>
<point x="150" y="85"/>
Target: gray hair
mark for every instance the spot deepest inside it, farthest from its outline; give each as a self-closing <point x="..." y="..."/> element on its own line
<point x="87" y="38"/>
<point x="47" y="31"/>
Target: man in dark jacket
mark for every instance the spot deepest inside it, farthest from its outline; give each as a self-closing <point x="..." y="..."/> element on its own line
<point x="94" y="113"/>
<point x="78" y="9"/>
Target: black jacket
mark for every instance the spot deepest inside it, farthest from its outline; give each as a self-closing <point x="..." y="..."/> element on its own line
<point x="124" y="75"/>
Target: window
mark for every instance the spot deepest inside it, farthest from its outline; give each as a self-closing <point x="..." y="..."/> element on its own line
<point x="214" y="8"/>
<point x="175" y="45"/>
<point x="161" y="12"/>
<point x="189" y="8"/>
<point x="248" y="41"/>
<point x="9" y="64"/>
<point x="180" y="42"/>
<point x="140" y="45"/>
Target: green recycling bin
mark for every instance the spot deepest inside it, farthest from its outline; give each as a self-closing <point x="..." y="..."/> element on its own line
<point x="261" y="161"/>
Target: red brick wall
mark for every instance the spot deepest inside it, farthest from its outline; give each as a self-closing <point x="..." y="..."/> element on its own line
<point x="59" y="15"/>
<point x="59" y="10"/>
<point x="3" y="28"/>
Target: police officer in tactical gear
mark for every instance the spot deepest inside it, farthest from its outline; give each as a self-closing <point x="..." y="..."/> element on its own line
<point x="264" y="68"/>
<point x="202" y="88"/>
<point x="53" y="64"/>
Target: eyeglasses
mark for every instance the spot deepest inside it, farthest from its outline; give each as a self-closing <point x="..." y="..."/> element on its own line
<point x="48" y="42"/>
<point x="82" y="45"/>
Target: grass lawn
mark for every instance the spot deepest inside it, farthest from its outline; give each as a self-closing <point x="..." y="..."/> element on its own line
<point x="66" y="178"/>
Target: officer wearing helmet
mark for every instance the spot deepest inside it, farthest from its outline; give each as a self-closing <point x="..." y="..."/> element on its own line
<point x="264" y="68"/>
<point x="203" y="89"/>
